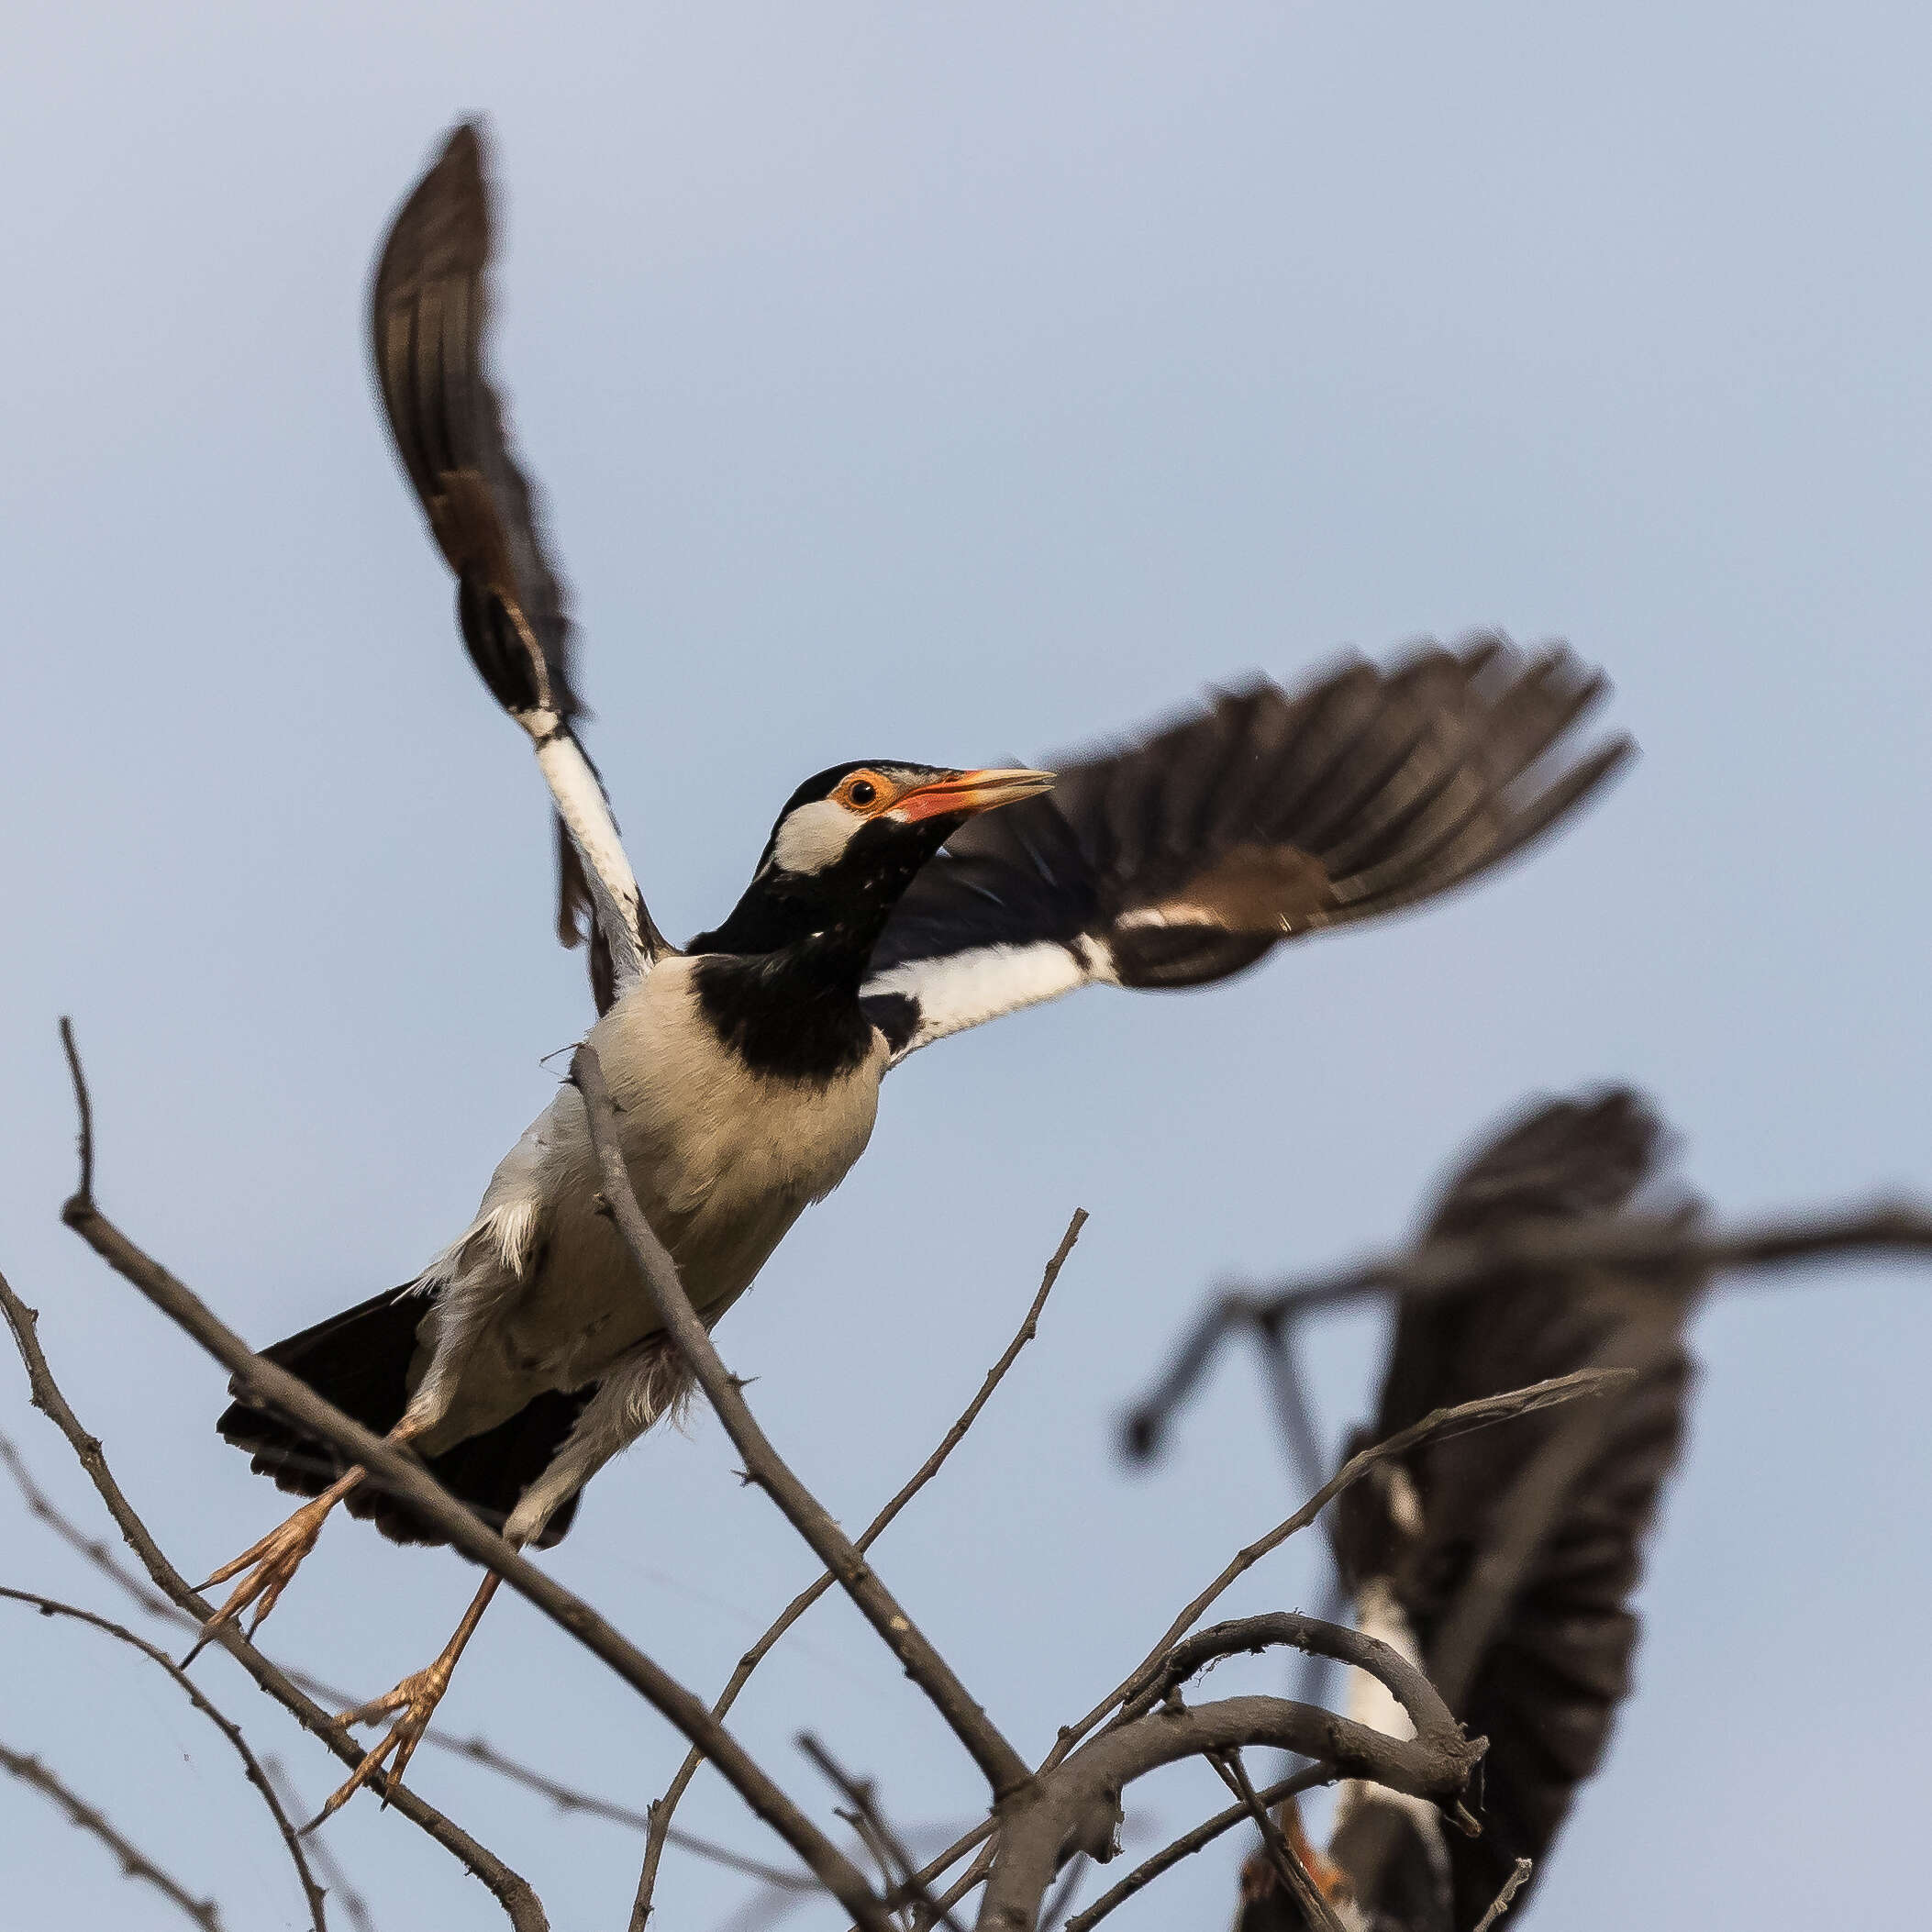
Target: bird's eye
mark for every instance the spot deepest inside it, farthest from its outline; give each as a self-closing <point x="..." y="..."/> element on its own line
<point x="861" y="791"/>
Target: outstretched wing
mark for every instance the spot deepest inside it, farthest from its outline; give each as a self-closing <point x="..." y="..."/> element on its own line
<point x="429" y="308"/>
<point x="1507" y="1557"/>
<point x="1183" y="857"/>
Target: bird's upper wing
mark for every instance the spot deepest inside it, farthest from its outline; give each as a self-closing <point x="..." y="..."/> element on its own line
<point x="1184" y="855"/>
<point x="427" y="313"/>
<point x="1541" y="1671"/>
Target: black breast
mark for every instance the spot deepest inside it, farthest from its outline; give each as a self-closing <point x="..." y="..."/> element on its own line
<point x="780" y="1021"/>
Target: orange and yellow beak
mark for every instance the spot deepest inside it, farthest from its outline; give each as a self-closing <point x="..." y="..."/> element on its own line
<point x="961" y="793"/>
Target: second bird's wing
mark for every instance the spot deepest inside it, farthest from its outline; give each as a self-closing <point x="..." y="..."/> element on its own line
<point x="1184" y="856"/>
<point x="428" y="309"/>
<point x="1508" y="1556"/>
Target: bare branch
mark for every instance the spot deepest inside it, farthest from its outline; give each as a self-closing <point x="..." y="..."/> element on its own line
<point x="511" y="1890"/>
<point x="401" y="1473"/>
<point x="1661" y="1244"/>
<point x="1004" y="1769"/>
<point x="1188" y="1843"/>
<point x="133" y="1863"/>
<point x="660" y="1812"/>
<point x="1513" y="1885"/>
<point x="52" y="1606"/>
<point x="1426" y="1709"/>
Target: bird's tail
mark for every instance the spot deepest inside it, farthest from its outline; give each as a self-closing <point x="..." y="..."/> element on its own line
<point x="360" y="1360"/>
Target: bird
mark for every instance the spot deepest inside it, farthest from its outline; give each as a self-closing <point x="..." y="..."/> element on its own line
<point x="1542" y="1674"/>
<point x="894" y="903"/>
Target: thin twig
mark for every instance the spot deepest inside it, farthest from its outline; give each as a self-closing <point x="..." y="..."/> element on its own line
<point x="1286" y="1860"/>
<point x="953" y="1853"/>
<point x="904" y="1886"/>
<point x="1513" y="1885"/>
<point x="83" y="1136"/>
<point x="974" y="1874"/>
<point x="52" y="1606"/>
<point x="135" y="1862"/>
<point x="660" y="1812"/>
<point x="394" y="1469"/>
<point x="510" y="1888"/>
<point x="1004" y="1769"/>
<point x="335" y="1877"/>
<point x="1665" y="1245"/>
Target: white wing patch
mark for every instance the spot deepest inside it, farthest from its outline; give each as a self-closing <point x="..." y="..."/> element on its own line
<point x="964" y="989"/>
<point x="1371" y="1703"/>
<point x="586" y="811"/>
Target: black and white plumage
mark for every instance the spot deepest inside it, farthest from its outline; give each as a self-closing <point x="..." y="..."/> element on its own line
<point x="748" y="1066"/>
<point x="429" y="308"/>
<point x="1543" y="1682"/>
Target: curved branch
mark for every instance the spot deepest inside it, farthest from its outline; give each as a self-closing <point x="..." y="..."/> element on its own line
<point x="1080" y="1803"/>
<point x="1004" y="1769"/>
<point x="660" y="1812"/>
<point x="52" y="1606"/>
<point x="1417" y="1696"/>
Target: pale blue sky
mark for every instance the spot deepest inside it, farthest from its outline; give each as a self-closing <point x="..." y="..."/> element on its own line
<point x="951" y="383"/>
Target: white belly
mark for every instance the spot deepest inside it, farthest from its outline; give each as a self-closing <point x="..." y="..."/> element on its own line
<point x="722" y="1160"/>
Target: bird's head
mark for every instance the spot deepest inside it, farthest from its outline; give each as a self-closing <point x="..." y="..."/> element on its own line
<point x="847" y="844"/>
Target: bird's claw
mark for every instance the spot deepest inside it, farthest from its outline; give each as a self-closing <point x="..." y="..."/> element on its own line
<point x="270" y="1565"/>
<point x="416" y="1698"/>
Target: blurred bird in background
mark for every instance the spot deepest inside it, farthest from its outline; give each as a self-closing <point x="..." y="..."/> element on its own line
<point x="1503" y="1560"/>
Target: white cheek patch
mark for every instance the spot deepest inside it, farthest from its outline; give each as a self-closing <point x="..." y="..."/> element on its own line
<point x="813" y="836"/>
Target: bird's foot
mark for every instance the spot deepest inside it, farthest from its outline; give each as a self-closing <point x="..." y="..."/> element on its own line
<point x="271" y="1563"/>
<point x="416" y="1698"/>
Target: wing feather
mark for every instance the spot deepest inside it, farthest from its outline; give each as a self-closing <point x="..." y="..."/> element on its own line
<point x="1188" y="853"/>
<point x="1550" y="1672"/>
<point x="428" y="309"/>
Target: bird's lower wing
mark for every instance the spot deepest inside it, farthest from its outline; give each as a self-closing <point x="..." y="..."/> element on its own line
<point x="1186" y="854"/>
<point x="429" y="308"/>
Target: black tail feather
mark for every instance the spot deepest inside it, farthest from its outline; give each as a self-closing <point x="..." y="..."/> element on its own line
<point x="360" y="1360"/>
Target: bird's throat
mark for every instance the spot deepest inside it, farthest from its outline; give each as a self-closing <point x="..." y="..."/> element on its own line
<point x="792" y="1014"/>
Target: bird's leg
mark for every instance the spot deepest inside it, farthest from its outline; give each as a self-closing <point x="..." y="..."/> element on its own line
<point x="416" y="1698"/>
<point x="271" y="1563"/>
